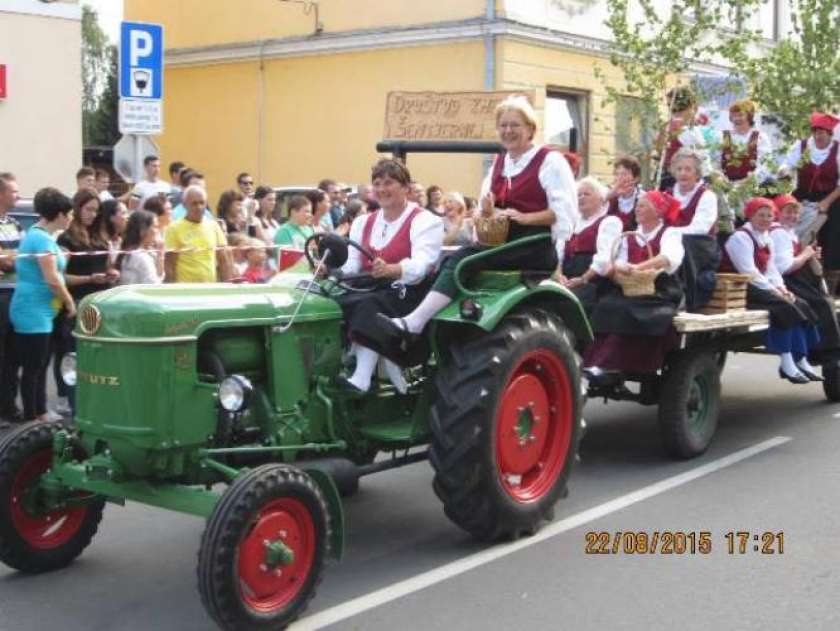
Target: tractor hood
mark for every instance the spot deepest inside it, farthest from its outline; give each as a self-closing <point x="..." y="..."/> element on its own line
<point x="186" y="310"/>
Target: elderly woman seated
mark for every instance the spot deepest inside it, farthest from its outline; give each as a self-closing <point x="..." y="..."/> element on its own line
<point x="792" y="333"/>
<point x="585" y="257"/>
<point x="633" y="334"/>
<point x="803" y="275"/>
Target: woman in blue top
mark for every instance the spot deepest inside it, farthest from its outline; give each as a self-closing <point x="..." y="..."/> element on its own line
<point x="39" y="295"/>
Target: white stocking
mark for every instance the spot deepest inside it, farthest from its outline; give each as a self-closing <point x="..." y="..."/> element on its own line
<point x="365" y="365"/>
<point x="425" y="311"/>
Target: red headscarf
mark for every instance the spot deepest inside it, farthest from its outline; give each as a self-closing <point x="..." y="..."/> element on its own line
<point x="755" y="203"/>
<point x="666" y="206"/>
<point x="819" y="120"/>
<point x="780" y="201"/>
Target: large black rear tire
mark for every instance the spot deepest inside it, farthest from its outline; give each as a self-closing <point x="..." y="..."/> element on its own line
<point x="33" y="539"/>
<point x="242" y="590"/>
<point x="689" y="403"/>
<point x="505" y="426"/>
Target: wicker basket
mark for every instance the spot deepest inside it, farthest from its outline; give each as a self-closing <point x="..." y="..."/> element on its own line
<point x="635" y="283"/>
<point x="493" y="230"/>
<point x="730" y="294"/>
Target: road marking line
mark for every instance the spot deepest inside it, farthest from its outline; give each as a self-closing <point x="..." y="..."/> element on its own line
<point x="408" y="586"/>
<point x="836" y="415"/>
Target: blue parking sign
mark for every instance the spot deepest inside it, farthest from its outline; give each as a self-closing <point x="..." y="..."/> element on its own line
<point x="141" y="61"/>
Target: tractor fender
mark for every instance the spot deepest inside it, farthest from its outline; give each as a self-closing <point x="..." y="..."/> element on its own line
<point x="333" y="499"/>
<point x="492" y="307"/>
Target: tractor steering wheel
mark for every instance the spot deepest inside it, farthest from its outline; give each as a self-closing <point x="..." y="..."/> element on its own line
<point x="335" y="248"/>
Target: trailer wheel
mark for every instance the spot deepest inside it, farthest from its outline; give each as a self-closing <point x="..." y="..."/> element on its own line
<point x="689" y="404"/>
<point x="831" y="381"/>
<point x="34" y="539"/>
<point x="263" y="550"/>
<point x="505" y="426"/>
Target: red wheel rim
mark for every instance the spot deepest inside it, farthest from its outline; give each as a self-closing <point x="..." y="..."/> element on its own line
<point x="265" y="589"/>
<point x="534" y="426"/>
<point x="48" y="530"/>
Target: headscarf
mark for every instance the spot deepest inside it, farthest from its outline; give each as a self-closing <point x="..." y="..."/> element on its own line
<point x="820" y="120"/>
<point x="780" y="201"/>
<point x="667" y="207"/>
<point x="755" y="203"/>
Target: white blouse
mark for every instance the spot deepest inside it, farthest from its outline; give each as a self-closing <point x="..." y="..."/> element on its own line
<point x="706" y="214"/>
<point x="670" y="246"/>
<point x="784" y="240"/>
<point x="817" y="156"/>
<point x="426" y="240"/>
<point x="740" y="249"/>
<point x="692" y="138"/>
<point x="608" y="232"/>
<point x="138" y="268"/>
<point x="559" y="184"/>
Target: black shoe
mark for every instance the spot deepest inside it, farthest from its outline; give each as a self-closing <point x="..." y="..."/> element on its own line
<point x="348" y="386"/>
<point x="798" y="378"/>
<point x="401" y="333"/>
<point x="811" y="376"/>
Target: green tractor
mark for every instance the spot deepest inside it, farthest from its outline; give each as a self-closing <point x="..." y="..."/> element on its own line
<point x="219" y="401"/>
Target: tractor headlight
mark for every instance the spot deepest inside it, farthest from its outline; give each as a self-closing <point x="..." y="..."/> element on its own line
<point x="67" y="367"/>
<point x="235" y="393"/>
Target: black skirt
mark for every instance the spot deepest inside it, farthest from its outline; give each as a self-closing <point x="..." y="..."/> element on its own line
<point x="783" y="314"/>
<point x="360" y="308"/>
<point x="808" y="286"/>
<point x="829" y="235"/>
<point x="644" y="315"/>
<point x="701" y="262"/>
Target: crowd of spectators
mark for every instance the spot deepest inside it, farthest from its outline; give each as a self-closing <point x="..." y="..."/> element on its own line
<point x="158" y="232"/>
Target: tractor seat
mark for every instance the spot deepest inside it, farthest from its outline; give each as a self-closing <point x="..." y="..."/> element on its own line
<point x="490" y="280"/>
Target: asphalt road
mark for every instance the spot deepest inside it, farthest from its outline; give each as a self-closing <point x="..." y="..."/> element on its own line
<point x="408" y="568"/>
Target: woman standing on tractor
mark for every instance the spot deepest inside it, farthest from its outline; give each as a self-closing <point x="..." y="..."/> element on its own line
<point x="529" y="184"/>
<point x="816" y="161"/>
<point x="792" y="333"/>
<point x="744" y="149"/>
<point x="405" y="242"/>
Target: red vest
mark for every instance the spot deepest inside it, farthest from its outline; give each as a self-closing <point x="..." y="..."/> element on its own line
<point x="673" y="146"/>
<point x="817" y="179"/>
<point x="761" y="256"/>
<point x="585" y="241"/>
<point x="797" y="246"/>
<point x="397" y="249"/>
<point x="639" y="253"/>
<point x="628" y="220"/>
<point x="524" y="191"/>
<point x="687" y="212"/>
<point x="738" y="167"/>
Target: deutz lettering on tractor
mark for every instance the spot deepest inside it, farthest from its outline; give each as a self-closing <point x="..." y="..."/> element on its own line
<point x="218" y="401"/>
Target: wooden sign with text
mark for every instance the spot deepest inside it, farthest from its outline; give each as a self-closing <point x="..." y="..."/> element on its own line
<point x="443" y="115"/>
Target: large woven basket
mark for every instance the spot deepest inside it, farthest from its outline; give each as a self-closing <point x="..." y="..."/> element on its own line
<point x="634" y="283"/>
<point x="493" y="230"/>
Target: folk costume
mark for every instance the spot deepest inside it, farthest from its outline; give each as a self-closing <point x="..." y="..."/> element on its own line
<point x="689" y="137"/>
<point x="806" y="284"/>
<point x="589" y="248"/>
<point x="625" y="208"/>
<point x="540" y="179"/>
<point x="633" y="334"/>
<point x="697" y="221"/>
<point x="414" y="241"/>
<point x="745" y="153"/>
<point x="791" y="333"/>
<point x="818" y="175"/>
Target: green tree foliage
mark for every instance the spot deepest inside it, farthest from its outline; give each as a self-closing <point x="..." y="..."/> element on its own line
<point x="99" y="83"/>
<point x="654" y="50"/>
<point x="802" y="72"/>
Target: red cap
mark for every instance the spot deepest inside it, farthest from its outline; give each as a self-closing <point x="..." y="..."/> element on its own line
<point x="827" y="122"/>
<point x="780" y="201"/>
<point x="755" y="203"/>
<point x="666" y="206"/>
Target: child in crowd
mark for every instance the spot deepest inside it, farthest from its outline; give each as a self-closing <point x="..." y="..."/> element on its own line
<point x="255" y="257"/>
<point x="238" y="241"/>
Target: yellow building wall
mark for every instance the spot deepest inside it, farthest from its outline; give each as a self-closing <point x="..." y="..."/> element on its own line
<point x="321" y="115"/>
<point x="190" y="23"/>
<point x="544" y="68"/>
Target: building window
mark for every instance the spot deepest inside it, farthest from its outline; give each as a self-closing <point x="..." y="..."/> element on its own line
<point x="567" y="122"/>
<point x="635" y="132"/>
